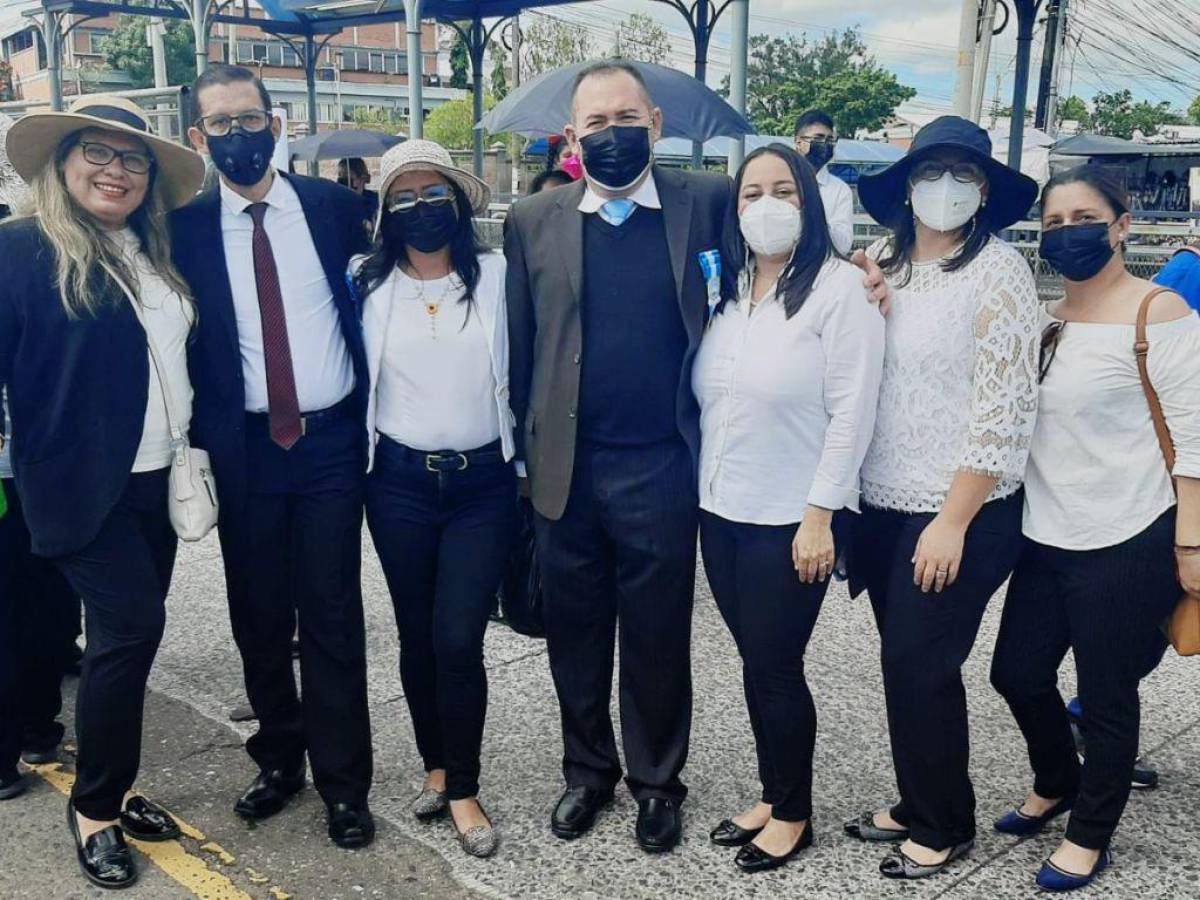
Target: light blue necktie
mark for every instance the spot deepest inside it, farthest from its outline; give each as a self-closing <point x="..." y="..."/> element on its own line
<point x="616" y="212"/>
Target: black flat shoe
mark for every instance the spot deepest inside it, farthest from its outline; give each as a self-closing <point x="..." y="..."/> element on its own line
<point x="576" y="811"/>
<point x="899" y="864"/>
<point x="269" y="793"/>
<point x="105" y="859"/>
<point x="865" y="829"/>
<point x="659" y="824"/>
<point x="753" y="858"/>
<point x="731" y="834"/>
<point x="13" y="784"/>
<point x="350" y="826"/>
<point x="146" y="821"/>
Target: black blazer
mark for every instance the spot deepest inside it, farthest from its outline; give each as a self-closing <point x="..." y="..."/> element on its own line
<point x="544" y="246"/>
<point x="335" y="218"/>
<point x="77" y="391"/>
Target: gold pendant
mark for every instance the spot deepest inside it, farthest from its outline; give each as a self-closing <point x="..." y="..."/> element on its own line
<point x="431" y="308"/>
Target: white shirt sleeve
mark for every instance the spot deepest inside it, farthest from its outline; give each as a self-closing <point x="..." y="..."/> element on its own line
<point x="1005" y="388"/>
<point x="852" y="340"/>
<point x="839" y="213"/>
<point x="1174" y="366"/>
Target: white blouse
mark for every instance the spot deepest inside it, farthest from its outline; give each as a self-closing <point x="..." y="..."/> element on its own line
<point x="787" y="406"/>
<point x="1096" y="475"/>
<point x="448" y="392"/>
<point x="168" y="322"/>
<point x="959" y="390"/>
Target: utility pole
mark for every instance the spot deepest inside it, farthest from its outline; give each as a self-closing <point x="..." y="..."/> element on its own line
<point x="987" y="25"/>
<point x="1049" y="54"/>
<point x="1055" y="95"/>
<point x="964" y="81"/>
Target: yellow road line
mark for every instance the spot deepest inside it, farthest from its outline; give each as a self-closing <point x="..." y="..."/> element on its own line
<point x="190" y="871"/>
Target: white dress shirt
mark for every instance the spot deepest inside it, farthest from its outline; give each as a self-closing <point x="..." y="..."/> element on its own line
<point x="167" y="319"/>
<point x="445" y="394"/>
<point x="321" y="361"/>
<point x="1096" y="475"/>
<point x="646" y="195"/>
<point x="838" y="201"/>
<point x="787" y="406"/>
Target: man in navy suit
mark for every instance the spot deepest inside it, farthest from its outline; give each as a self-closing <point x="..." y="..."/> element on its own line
<point x="280" y="380"/>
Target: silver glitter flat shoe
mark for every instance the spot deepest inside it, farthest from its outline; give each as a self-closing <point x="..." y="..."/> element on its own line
<point x="430" y="804"/>
<point x="480" y="841"/>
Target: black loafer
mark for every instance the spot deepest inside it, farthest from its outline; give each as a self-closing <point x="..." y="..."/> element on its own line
<point x="146" y="821"/>
<point x="105" y="859"/>
<point x="753" y="858"/>
<point x="269" y="793"/>
<point x="576" y="811"/>
<point x="13" y="784"/>
<point x="659" y="824"/>
<point x="731" y="834"/>
<point x="350" y="826"/>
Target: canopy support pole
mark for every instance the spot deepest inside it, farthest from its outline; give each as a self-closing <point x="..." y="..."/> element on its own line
<point x="310" y="83"/>
<point x="476" y="45"/>
<point x="416" y="100"/>
<point x="703" y="32"/>
<point x="1026" y="17"/>
<point x="738" y="64"/>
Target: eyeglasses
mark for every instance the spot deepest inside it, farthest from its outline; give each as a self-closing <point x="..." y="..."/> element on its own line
<point x="963" y="172"/>
<point x="135" y="162"/>
<point x="818" y="140"/>
<point x="1050" y="340"/>
<point x="219" y="124"/>
<point x="434" y="195"/>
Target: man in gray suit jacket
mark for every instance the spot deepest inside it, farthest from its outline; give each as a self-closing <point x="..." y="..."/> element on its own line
<point x="607" y="303"/>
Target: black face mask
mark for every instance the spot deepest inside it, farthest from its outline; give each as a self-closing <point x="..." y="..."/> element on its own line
<point x="243" y="156"/>
<point x="819" y="154"/>
<point x="427" y="227"/>
<point x="1077" y="252"/>
<point x="617" y="156"/>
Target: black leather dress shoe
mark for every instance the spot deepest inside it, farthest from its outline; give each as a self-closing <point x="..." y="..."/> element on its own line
<point x="105" y="859"/>
<point x="753" y="858"/>
<point x="12" y="784"/>
<point x="146" y="821"/>
<point x="269" y="793"/>
<point x="659" y="824"/>
<point x="350" y="826"/>
<point x="731" y="834"/>
<point x="576" y="811"/>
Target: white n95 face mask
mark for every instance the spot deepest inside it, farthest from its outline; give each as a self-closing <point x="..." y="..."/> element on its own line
<point x="771" y="226"/>
<point x="946" y="204"/>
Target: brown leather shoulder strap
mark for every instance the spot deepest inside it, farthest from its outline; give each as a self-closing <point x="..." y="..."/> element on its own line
<point x="1141" y="349"/>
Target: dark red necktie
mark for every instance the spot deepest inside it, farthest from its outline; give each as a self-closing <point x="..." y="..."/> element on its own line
<point x="283" y="408"/>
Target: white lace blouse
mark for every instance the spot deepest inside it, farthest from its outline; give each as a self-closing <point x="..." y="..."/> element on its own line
<point x="959" y="389"/>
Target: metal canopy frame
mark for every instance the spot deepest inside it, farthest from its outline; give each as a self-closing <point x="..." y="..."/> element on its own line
<point x="307" y="27"/>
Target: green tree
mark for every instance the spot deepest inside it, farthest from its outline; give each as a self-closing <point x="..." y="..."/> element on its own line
<point x="460" y="63"/>
<point x="640" y="37"/>
<point x="127" y="50"/>
<point x="788" y="75"/>
<point x="549" y="43"/>
<point x="499" y="70"/>
<point x="1194" y="111"/>
<point x="1116" y="114"/>
<point x="1073" y="109"/>
<point x="379" y="119"/>
<point x="452" y="124"/>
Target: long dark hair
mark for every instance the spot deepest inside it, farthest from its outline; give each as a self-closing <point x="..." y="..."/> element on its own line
<point x="815" y="247"/>
<point x="465" y="247"/>
<point x="898" y="260"/>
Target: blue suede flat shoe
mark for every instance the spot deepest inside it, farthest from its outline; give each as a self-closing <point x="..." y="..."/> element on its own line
<point x="1016" y="822"/>
<point x="1052" y="878"/>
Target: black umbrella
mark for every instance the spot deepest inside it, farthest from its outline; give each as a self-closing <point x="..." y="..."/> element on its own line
<point x="343" y="144"/>
<point x="690" y="108"/>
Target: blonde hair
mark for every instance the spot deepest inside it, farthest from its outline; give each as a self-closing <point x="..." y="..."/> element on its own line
<point x="83" y="250"/>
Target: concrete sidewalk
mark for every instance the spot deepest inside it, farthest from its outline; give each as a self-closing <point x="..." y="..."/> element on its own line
<point x="193" y="766"/>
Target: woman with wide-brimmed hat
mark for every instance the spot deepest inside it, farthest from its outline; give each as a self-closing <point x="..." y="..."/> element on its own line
<point x="88" y="376"/>
<point x="441" y="497"/>
<point x="941" y="483"/>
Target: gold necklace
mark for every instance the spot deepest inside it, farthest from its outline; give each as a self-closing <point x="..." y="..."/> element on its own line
<point x="432" y="306"/>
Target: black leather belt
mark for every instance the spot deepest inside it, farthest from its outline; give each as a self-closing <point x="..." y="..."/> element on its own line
<point x="449" y="460"/>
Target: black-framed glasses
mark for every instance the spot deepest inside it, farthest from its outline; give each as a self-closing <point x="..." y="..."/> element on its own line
<point x="135" y="162"/>
<point x="818" y="140"/>
<point x="434" y="195"/>
<point x="964" y="172"/>
<point x="219" y="124"/>
<point x="1051" y="337"/>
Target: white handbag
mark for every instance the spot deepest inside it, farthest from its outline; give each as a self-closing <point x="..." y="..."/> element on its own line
<point x="192" y="497"/>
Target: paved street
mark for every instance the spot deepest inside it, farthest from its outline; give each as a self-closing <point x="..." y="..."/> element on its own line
<point x="193" y="764"/>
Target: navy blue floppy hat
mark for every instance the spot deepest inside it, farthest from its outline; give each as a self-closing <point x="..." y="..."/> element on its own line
<point x="1010" y="194"/>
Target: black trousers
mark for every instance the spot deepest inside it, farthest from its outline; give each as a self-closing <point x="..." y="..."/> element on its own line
<point x="623" y="555"/>
<point x="1106" y="606"/>
<point x="39" y="621"/>
<point x="925" y="639"/>
<point x="444" y="539"/>
<point x="295" y="551"/>
<point x="123" y="577"/>
<point x="771" y="614"/>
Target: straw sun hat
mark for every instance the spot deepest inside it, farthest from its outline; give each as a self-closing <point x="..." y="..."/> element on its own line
<point x="428" y="156"/>
<point x="34" y="139"/>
